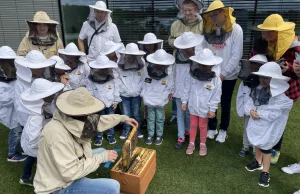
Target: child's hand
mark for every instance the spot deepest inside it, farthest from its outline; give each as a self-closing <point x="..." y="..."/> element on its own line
<point x="211" y="115"/>
<point x="114" y="106"/>
<point x="222" y="77"/>
<point x="171" y="96"/>
<point x="183" y="106"/>
<point x="64" y="79"/>
<point x="296" y="66"/>
<point x="254" y="115"/>
<point x="284" y="67"/>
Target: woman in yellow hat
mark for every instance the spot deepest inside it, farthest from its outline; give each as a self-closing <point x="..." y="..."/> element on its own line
<point x="42" y="36"/>
<point x="281" y="39"/>
<point x="225" y="38"/>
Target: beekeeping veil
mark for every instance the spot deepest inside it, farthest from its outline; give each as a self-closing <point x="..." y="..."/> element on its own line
<point x="131" y="58"/>
<point x="7" y="66"/>
<point x="159" y="62"/>
<point x="212" y="33"/>
<point x="278" y="84"/>
<point x="180" y="15"/>
<point x="101" y="6"/>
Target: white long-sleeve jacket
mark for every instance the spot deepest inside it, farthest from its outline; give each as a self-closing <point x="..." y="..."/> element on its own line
<point x="242" y="98"/>
<point x="78" y="77"/>
<point x="231" y="51"/>
<point x="108" y="92"/>
<point x="155" y="93"/>
<point x="265" y="132"/>
<point x="23" y="82"/>
<point x="33" y="126"/>
<point x="130" y="82"/>
<point x="202" y="96"/>
<point x="181" y="73"/>
<point x="8" y="114"/>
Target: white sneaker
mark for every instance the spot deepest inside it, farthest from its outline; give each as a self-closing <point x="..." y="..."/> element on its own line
<point x="222" y="136"/>
<point x="211" y="134"/>
<point x="291" y="169"/>
<point x="297" y="192"/>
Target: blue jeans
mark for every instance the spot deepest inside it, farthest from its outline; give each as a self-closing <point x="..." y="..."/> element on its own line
<point x="107" y="111"/>
<point x="227" y="90"/>
<point x="14" y="137"/>
<point x="132" y="108"/>
<point x="95" y="186"/>
<point x="174" y="108"/>
<point x="28" y="164"/>
<point x="183" y="119"/>
<point x="156" y="117"/>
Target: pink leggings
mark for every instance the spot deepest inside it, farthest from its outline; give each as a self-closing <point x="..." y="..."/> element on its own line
<point x="196" y="121"/>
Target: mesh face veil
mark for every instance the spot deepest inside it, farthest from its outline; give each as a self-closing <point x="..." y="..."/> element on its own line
<point x="260" y="96"/>
<point x="101" y="76"/>
<point x="157" y="72"/>
<point x="7" y="70"/>
<point x="131" y="62"/>
<point x="197" y="73"/>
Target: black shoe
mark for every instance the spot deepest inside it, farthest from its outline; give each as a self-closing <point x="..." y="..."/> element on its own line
<point x="27" y="182"/>
<point x="172" y="120"/>
<point x="264" y="179"/>
<point x="254" y="165"/>
<point x="179" y="143"/>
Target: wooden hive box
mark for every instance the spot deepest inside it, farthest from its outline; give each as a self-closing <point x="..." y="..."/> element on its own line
<point x="136" y="184"/>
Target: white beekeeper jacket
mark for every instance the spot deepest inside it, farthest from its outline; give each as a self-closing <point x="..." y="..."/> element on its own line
<point x="78" y="77"/>
<point x="23" y="82"/>
<point x="8" y="114"/>
<point x="266" y="131"/>
<point x="202" y="96"/>
<point x="130" y="82"/>
<point x="155" y="93"/>
<point x="33" y="126"/>
<point x="181" y="73"/>
<point x="108" y="92"/>
<point x="98" y="41"/>
<point x="231" y="51"/>
<point x="241" y="99"/>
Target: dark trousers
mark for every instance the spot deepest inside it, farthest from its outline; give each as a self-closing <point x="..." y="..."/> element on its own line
<point x="227" y="90"/>
<point x="28" y="164"/>
<point x="277" y="147"/>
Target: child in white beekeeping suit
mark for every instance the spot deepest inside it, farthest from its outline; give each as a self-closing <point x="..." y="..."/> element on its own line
<point x="157" y="88"/>
<point x="34" y="99"/>
<point x="29" y="68"/>
<point x="80" y="70"/>
<point x="103" y="85"/>
<point x="8" y="114"/>
<point x="185" y="46"/>
<point x="61" y="70"/>
<point x="202" y="93"/>
<point x="150" y="44"/>
<point x="268" y="108"/>
<point x="131" y="71"/>
<point x="249" y="81"/>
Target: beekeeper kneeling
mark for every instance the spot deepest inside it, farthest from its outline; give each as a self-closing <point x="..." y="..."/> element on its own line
<point x="65" y="155"/>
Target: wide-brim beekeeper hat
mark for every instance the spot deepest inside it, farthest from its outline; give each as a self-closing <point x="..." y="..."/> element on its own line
<point x="79" y="102"/>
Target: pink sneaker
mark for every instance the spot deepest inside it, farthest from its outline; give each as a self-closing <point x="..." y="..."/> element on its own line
<point x="190" y="149"/>
<point x="203" y="149"/>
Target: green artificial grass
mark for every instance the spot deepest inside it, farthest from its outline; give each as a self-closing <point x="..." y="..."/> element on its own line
<point x="220" y="171"/>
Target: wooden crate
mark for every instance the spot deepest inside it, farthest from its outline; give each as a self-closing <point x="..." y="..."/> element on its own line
<point x="136" y="184"/>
